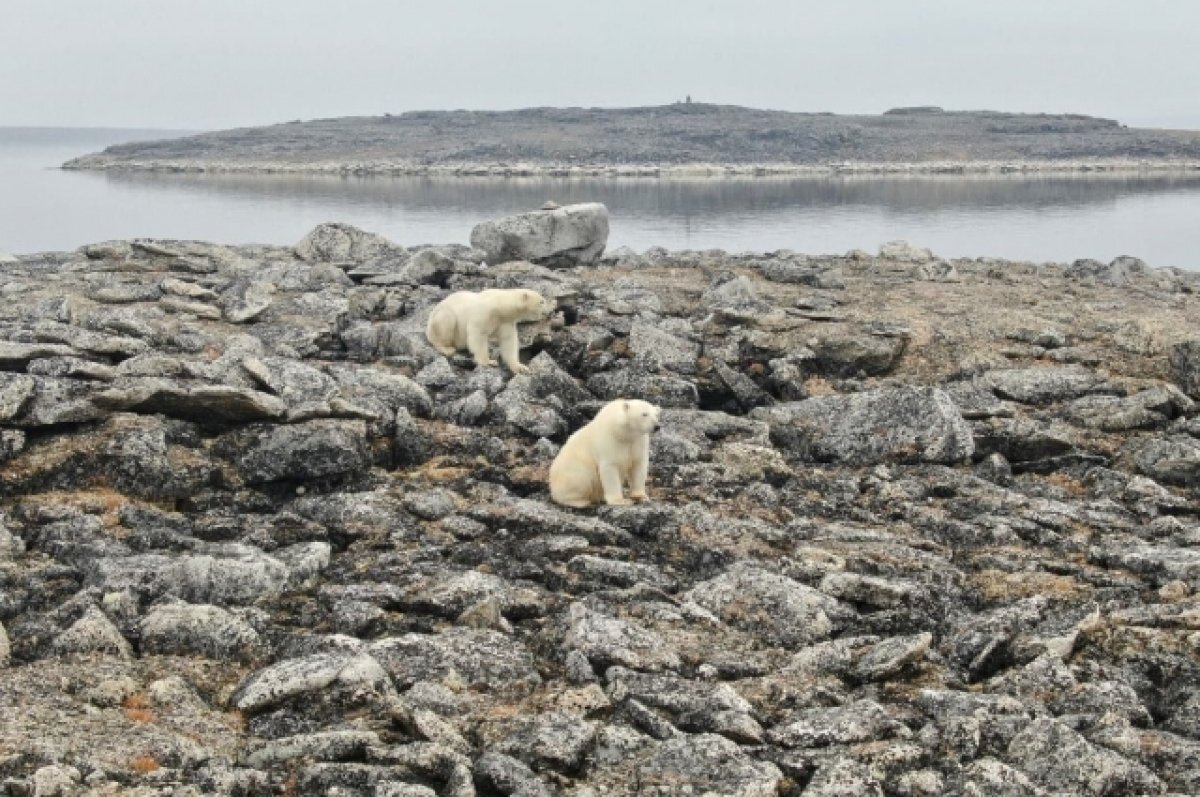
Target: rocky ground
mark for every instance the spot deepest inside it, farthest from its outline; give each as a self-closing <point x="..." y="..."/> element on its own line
<point x="679" y="138"/>
<point x="917" y="527"/>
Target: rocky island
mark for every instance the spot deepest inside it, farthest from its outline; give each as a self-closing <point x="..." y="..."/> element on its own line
<point x="917" y="526"/>
<point x="681" y="138"/>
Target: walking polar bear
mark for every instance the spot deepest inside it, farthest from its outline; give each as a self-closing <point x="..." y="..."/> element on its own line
<point x="612" y="449"/>
<point x="469" y="320"/>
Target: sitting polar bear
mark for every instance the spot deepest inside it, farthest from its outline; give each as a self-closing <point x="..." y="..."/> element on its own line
<point x="613" y="448"/>
<point x="468" y="320"/>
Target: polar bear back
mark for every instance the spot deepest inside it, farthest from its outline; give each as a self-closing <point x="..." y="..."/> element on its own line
<point x="488" y="310"/>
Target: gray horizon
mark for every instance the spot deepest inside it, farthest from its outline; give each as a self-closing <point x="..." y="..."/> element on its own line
<point x="192" y="66"/>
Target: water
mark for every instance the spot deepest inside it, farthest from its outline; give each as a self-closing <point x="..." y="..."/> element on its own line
<point x="1057" y="218"/>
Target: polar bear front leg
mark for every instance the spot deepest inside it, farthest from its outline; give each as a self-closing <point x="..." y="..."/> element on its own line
<point x="510" y="348"/>
<point x="477" y="344"/>
<point x="610" y="481"/>
<point x="641" y="466"/>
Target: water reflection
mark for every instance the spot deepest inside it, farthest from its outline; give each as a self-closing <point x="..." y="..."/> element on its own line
<point x="673" y="196"/>
<point x="1025" y="217"/>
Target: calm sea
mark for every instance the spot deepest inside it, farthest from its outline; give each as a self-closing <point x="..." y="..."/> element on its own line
<point x="1156" y="218"/>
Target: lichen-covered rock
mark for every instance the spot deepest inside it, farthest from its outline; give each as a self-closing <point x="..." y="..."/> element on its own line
<point x="334" y="242"/>
<point x="752" y="597"/>
<point x="1185" y="366"/>
<point x="1171" y="460"/>
<point x="477" y="659"/>
<point x="707" y="764"/>
<point x="299" y="452"/>
<point x="293" y="677"/>
<point x="203" y="630"/>
<point x="606" y="641"/>
<point x="226" y="576"/>
<point x="1044" y="385"/>
<point x="896" y="425"/>
<point x="1060" y="759"/>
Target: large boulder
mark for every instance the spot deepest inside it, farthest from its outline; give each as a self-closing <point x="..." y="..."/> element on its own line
<point x="333" y="242"/>
<point x="573" y="234"/>
<point x="909" y="424"/>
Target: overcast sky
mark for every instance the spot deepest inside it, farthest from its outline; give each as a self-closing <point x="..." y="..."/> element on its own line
<point x="204" y="64"/>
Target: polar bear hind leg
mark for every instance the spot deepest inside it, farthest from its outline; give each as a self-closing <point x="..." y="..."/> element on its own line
<point x="571" y="485"/>
<point x="442" y="330"/>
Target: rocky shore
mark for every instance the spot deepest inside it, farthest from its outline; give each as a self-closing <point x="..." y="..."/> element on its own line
<point x="695" y="139"/>
<point x="917" y="526"/>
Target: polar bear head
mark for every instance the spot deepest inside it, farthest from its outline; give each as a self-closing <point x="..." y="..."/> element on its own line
<point x="534" y="306"/>
<point x="641" y="417"/>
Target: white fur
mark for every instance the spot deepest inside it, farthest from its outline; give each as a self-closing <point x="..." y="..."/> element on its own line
<point x="613" y="449"/>
<point x="465" y="320"/>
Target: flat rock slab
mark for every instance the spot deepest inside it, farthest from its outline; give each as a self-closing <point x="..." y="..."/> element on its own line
<point x="706" y="764"/>
<point x="205" y="403"/>
<point x="1044" y="385"/>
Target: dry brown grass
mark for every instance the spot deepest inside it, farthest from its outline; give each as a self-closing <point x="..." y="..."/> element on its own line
<point x="996" y="585"/>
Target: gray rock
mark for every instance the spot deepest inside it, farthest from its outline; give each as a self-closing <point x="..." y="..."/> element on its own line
<point x="508" y="776"/>
<point x="246" y="300"/>
<point x="5" y="647"/>
<point x="607" y="640"/>
<point x="576" y="234"/>
<point x="844" y="777"/>
<point x="817" y="275"/>
<point x="890" y="657"/>
<point x="92" y="633"/>
<point x="228" y="575"/>
<point x="1044" y="385"/>
<point x="1121" y="271"/>
<point x="857" y="353"/>
<point x="17" y="356"/>
<point x="1061" y="760"/>
<point x="862" y="721"/>
<point x="988" y="777"/>
<point x="894" y="425"/>
<point x="15" y="391"/>
<point x="1185" y="366"/>
<point x="202" y="630"/>
<point x="312" y="450"/>
<point x="341" y="745"/>
<point x="1171" y="460"/>
<point x="1148" y="409"/>
<point x="293" y="677"/>
<point x="333" y="242"/>
<point x="177" y="399"/>
<point x="936" y="271"/>
<point x="480" y="659"/>
<point x="659" y="389"/>
<point x="654" y="348"/>
<point x="905" y="252"/>
<point x="706" y="764"/>
<point x="780" y="610"/>
<point x="553" y="740"/>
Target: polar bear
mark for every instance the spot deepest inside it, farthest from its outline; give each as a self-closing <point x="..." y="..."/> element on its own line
<point x="468" y="320"/>
<point x="613" y="448"/>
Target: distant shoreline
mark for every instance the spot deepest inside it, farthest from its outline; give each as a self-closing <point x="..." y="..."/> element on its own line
<point x="1114" y="166"/>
